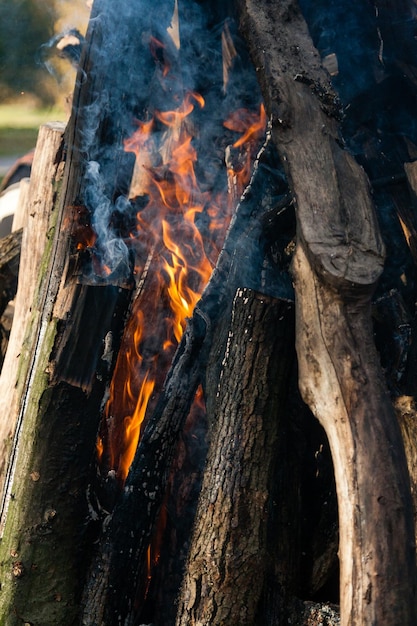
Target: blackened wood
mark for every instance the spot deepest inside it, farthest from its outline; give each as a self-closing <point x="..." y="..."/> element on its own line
<point x="67" y="375"/>
<point x="226" y="566"/>
<point x="335" y="218"/>
<point x="338" y="261"/>
<point x="174" y="525"/>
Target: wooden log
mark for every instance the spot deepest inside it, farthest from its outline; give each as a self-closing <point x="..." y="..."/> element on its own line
<point x="46" y="174"/>
<point x="338" y="261"/>
<point x="229" y="545"/>
<point x="75" y="332"/>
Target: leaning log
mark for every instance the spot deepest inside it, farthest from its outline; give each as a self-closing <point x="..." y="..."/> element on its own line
<point x="226" y="566"/>
<point x="80" y="312"/>
<point x="338" y="261"/>
<point x="45" y="509"/>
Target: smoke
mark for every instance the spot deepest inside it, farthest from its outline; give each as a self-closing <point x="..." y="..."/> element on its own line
<point x="66" y="46"/>
<point x="135" y="69"/>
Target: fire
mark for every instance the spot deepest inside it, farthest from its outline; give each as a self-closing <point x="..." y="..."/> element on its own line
<point x="169" y="244"/>
<point x="247" y="122"/>
<point x="252" y="125"/>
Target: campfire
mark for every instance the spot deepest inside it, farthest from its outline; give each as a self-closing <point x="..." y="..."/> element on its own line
<point x="203" y="329"/>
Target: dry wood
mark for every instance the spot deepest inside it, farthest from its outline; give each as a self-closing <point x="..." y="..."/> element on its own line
<point x="46" y="173"/>
<point x="338" y="261"/>
<point x="20" y="215"/>
<point x="335" y="369"/>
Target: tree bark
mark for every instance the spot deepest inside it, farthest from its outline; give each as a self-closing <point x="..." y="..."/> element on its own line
<point x="47" y="515"/>
<point x="338" y="261"/>
<point x="226" y="565"/>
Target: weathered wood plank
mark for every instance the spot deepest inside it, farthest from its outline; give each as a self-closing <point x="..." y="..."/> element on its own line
<point x="39" y="217"/>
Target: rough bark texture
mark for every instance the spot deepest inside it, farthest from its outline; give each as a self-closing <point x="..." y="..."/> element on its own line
<point x="46" y="513"/>
<point x="225" y="571"/>
<point x="339" y="259"/>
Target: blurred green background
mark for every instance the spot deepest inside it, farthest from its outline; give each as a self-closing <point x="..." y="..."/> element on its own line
<point x="35" y="84"/>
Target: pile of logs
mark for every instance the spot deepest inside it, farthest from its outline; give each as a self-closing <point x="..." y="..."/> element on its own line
<point x="287" y="328"/>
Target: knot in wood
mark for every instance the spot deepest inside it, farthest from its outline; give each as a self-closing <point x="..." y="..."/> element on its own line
<point x="18" y="569"/>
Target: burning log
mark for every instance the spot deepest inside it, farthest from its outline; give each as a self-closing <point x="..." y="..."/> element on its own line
<point x="70" y="493"/>
<point x="114" y="580"/>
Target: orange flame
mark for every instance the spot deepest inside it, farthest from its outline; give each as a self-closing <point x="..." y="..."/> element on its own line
<point x="252" y="125"/>
<point x="164" y="173"/>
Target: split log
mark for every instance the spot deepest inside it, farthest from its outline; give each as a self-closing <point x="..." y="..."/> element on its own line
<point x="338" y="261"/>
<point x="38" y="219"/>
<point x="46" y="500"/>
<point x="226" y="565"/>
<point x="46" y="509"/>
